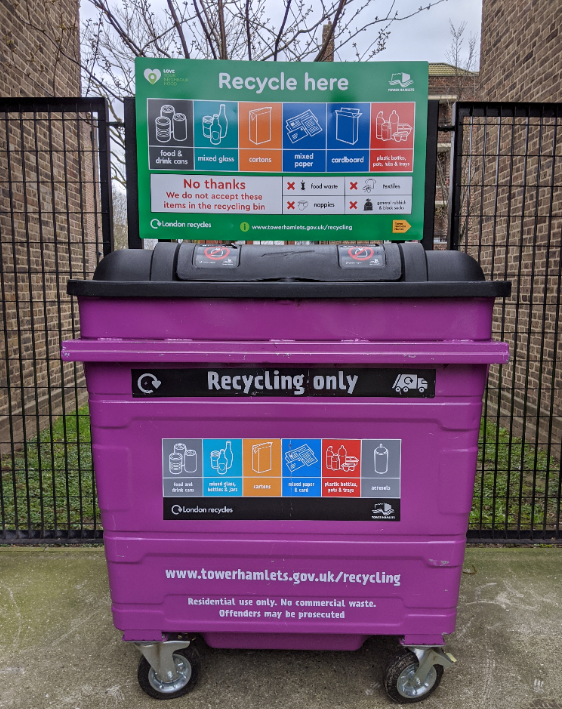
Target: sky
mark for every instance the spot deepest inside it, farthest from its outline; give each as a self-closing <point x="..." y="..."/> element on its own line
<point x="424" y="37"/>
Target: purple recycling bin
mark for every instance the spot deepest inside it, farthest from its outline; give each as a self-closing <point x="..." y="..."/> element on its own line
<point x="285" y="443"/>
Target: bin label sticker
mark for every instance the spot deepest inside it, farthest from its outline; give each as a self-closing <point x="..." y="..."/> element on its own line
<point x="216" y="478"/>
<point x="284" y="381"/>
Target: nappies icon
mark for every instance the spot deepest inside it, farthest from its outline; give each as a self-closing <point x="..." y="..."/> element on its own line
<point x="182" y="460"/>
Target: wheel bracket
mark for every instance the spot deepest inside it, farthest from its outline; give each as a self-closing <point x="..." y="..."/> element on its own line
<point x="160" y="657"/>
<point x="427" y="657"/>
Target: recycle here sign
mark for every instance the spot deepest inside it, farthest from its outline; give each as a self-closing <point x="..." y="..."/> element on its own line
<point x="262" y="151"/>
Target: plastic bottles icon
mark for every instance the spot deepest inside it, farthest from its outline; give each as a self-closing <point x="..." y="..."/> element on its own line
<point x="342" y="455"/>
<point x="223" y="121"/>
<point x="329" y="457"/>
<point x="381" y="459"/>
<point x="393" y="120"/>
<point x="190" y="461"/>
<point x="379" y="122"/>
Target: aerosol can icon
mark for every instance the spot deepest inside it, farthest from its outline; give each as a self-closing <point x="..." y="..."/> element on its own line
<point x="381" y="459"/>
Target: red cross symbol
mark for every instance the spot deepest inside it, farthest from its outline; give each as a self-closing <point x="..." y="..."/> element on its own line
<point x="353" y="205"/>
<point x="290" y="185"/>
<point x="291" y="205"/>
<point x="353" y="185"/>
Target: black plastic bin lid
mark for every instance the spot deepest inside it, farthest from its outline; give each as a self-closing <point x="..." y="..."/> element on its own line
<point x="319" y="271"/>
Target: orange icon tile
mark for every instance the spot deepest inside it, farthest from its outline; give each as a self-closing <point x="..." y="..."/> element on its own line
<point x="260" y="125"/>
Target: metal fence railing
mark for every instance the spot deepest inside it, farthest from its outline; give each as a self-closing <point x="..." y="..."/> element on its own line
<point x="505" y="209"/>
<point x="55" y="224"/>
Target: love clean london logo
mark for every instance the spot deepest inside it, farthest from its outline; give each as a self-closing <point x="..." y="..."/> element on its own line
<point x="152" y="75"/>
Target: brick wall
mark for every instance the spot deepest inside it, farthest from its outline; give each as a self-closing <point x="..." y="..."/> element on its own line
<point x="519" y="233"/>
<point x="49" y="197"/>
<point x="38" y="41"/>
<point x="521" y="49"/>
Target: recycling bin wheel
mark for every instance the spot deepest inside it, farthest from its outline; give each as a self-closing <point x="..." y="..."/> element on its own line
<point x="187" y="662"/>
<point x="398" y="677"/>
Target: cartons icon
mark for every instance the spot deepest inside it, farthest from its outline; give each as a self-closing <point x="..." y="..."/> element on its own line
<point x="260" y="125"/>
<point x="261" y="457"/>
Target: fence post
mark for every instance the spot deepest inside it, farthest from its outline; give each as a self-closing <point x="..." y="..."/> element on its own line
<point x="430" y="175"/>
<point x="135" y="242"/>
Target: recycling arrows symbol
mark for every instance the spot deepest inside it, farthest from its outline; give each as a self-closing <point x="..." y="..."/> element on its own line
<point x="155" y="382"/>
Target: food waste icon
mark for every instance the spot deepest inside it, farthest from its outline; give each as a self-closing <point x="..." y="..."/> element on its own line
<point x="182" y="460"/>
<point x="215" y="127"/>
<point x="340" y="460"/>
<point x="221" y="460"/>
<point x="391" y="129"/>
<point x="170" y="124"/>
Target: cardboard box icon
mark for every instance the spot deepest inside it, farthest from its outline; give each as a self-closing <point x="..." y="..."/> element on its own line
<point x="261" y="457"/>
<point x="347" y="125"/>
<point x="260" y="125"/>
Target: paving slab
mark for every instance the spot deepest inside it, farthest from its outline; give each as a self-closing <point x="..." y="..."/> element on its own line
<point x="59" y="648"/>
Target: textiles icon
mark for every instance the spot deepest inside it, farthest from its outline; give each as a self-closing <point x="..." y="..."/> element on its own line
<point x="170" y="124"/>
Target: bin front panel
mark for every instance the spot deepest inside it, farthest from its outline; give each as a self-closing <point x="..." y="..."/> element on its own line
<point x="220" y="584"/>
<point x="317" y="465"/>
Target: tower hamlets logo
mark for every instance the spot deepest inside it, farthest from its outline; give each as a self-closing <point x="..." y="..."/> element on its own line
<point x="152" y="75"/>
<point x="401" y="79"/>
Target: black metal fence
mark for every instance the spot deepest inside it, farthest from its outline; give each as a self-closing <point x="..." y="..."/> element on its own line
<point x="55" y="224"/>
<point x="505" y="207"/>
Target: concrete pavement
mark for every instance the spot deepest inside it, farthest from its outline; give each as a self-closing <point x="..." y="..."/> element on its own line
<point x="59" y="648"/>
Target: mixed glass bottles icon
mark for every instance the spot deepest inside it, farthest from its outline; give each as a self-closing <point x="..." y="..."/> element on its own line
<point x="221" y="460"/>
<point x="215" y="127"/>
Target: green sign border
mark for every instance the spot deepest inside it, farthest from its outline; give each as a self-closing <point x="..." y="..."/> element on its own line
<point x="198" y="79"/>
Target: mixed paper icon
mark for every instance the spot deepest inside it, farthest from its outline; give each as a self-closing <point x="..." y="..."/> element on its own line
<point x="299" y="457"/>
<point x="305" y="125"/>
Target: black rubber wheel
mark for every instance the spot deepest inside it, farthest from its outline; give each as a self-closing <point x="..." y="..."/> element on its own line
<point x="187" y="662"/>
<point x="396" y="679"/>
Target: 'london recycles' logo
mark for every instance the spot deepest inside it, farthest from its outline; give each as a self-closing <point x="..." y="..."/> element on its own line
<point x="155" y="223"/>
<point x="152" y="75"/>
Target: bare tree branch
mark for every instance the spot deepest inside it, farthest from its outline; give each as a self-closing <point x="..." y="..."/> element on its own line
<point x="179" y="28"/>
